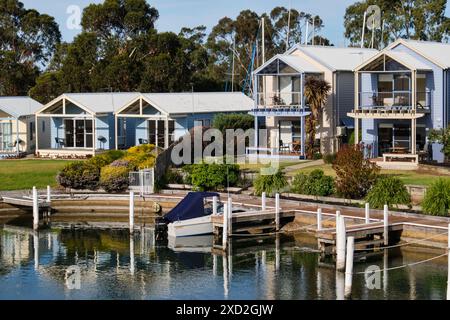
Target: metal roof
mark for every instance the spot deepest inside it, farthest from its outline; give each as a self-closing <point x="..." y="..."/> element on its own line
<point x="436" y="52"/>
<point x="408" y="60"/>
<point x="337" y="59"/>
<point x="200" y="102"/>
<point x="299" y="64"/>
<point x="19" y="106"/>
<point x="100" y="102"/>
<point x="401" y="57"/>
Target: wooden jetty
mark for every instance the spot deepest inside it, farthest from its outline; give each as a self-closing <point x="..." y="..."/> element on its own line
<point x="367" y="236"/>
<point x="25" y="202"/>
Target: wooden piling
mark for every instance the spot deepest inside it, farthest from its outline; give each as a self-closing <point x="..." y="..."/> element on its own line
<point x="35" y="209"/>
<point x="338" y="215"/>
<point x="215" y="206"/>
<point x="319" y="219"/>
<point x="263" y="201"/>
<point x="225" y="226"/>
<point x="49" y="200"/>
<point x="131" y="212"/>
<point x="349" y="267"/>
<point x="340" y="244"/>
<point x="386" y="225"/>
<point x="230" y="215"/>
<point x="277" y="211"/>
<point x="367" y="213"/>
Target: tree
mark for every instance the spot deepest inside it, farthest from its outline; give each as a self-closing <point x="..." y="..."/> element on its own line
<point x="28" y="40"/>
<point x="316" y="93"/>
<point x="355" y="174"/>
<point x="224" y="121"/>
<point x="242" y="34"/>
<point x="441" y="136"/>
<point x="410" y="19"/>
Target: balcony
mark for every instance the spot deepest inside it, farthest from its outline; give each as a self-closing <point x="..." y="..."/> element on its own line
<point x="280" y="104"/>
<point x="392" y="104"/>
<point x="395" y="101"/>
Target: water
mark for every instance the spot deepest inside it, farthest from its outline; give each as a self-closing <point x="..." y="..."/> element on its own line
<point x="114" y="265"/>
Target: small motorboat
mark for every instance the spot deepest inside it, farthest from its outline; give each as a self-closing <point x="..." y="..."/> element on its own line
<point x="192" y="216"/>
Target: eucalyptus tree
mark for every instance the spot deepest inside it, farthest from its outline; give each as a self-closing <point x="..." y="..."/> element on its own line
<point x="28" y="40"/>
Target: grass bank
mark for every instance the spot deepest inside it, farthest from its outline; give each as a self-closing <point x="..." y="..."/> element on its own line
<point x="24" y="174"/>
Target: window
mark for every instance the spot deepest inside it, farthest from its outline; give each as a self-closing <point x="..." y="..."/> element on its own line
<point x="171" y="131"/>
<point x="31" y="134"/>
<point x="78" y="133"/>
<point x="43" y="126"/>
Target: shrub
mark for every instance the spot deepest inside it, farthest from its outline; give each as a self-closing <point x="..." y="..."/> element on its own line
<point x="388" y="190"/>
<point x="437" y="198"/>
<point x="212" y="176"/>
<point x="270" y="184"/>
<point x="79" y="175"/>
<point x="355" y="175"/>
<point x="114" y="178"/>
<point x="235" y="121"/>
<point x="106" y="158"/>
<point x="141" y="157"/>
<point x="173" y="176"/>
<point x="329" y="158"/>
<point x="317" y="156"/>
<point x="315" y="184"/>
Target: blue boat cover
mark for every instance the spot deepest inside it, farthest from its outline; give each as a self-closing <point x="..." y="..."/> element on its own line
<point x="190" y="207"/>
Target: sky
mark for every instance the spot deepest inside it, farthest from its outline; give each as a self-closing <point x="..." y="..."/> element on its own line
<point x="175" y="14"/>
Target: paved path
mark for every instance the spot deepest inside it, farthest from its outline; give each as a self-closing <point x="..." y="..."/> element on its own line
<point x="291" y="170"/>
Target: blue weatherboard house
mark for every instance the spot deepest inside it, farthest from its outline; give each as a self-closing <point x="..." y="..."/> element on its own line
<point x="162" y="118"/>
<point x="78" y="125"/>
<point x="400" y="95"/>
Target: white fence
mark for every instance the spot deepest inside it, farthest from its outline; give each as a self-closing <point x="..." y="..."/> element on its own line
<point x="142" y="181"/>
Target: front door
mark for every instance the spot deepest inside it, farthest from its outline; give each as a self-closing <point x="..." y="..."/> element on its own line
<point x="78" y="133"/>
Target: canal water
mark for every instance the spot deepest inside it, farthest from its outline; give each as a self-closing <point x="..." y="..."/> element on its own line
<point x="78" y="263"/>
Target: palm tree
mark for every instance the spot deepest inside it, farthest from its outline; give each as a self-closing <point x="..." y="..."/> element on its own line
<point x="316" y="93"/>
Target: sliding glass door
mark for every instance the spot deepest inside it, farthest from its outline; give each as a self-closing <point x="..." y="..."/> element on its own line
<point x="78" y="133"/>
<point x="157" y="132"/>
<point x="5" y="136"/>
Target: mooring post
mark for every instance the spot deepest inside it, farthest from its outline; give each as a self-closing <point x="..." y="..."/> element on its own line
<point x="386" y="224"/>
<point x="367" y="213"/>
<point x="35" y="209"/>
<point x="349" y="267"/>
<point x="230" y="216"/>
<point x="225" y="226"/>
<point x="214" y="206"/>
<point x="340" y="244"/>
<point x="319" y="219"/>
<point x="338" y="216"/>
<point x="277" y="211"/>
<point x="131" y="212"/>
<point x="263" y="201"/>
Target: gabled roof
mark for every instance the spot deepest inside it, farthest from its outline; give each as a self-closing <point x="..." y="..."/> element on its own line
<point x="19" y="106"/>
<point x="436" y="52"/>
<point x="297" y="63"/>
<point x="96" y="103"/>
<point x="334" y="58"/>
<point x="199" y="102"/>
<point x="102" y="102"/>
<point x="403" y="58"/>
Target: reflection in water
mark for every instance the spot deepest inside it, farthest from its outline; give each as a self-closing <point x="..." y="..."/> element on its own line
<point x="115" y="265"/>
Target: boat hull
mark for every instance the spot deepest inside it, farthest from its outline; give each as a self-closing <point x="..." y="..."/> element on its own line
<point x="191" y="227"/>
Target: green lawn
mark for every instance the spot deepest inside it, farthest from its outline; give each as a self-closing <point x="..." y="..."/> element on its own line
<point x="24" y="174"/>
<point x="416" y="177"/>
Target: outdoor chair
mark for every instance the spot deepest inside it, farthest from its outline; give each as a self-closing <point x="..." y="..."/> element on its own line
<point x="283" y="146"/>
<point x="60" y="143"/>
<point x="143" y="141"/>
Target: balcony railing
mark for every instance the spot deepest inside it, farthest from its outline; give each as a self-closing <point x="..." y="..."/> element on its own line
<point x="279" y="99"/>
<point x="395" y="101"/>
